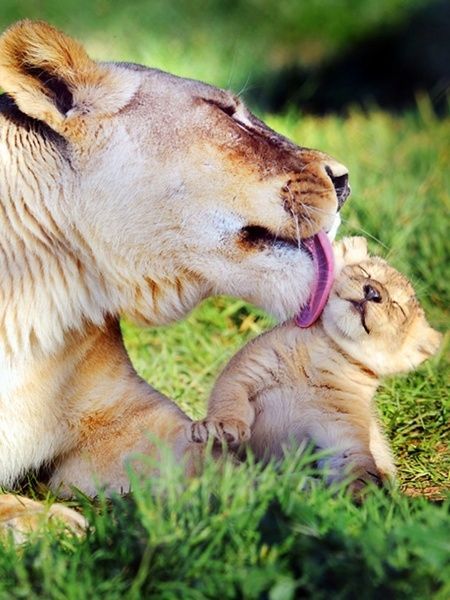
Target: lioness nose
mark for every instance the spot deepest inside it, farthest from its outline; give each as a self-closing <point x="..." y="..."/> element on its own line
<point x="339" y="177"/>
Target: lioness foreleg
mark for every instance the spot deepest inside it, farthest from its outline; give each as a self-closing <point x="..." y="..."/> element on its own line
<point x="140" y="435"/>
<point x="21" y="516"/>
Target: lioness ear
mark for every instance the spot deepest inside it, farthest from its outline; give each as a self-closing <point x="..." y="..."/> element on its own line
<point x="350" y="251"/>
<point x="51" y="78"/>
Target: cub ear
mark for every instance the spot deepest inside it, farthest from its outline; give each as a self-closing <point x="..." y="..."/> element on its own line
<point x="350" y="251"/>
<point x="421" y="343"/>
<point x="430" y="341"/>
<point x="51" y="78"/>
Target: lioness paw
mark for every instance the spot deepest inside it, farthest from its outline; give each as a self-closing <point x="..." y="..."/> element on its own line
<point x="22" y="516"/>
<point x="231" y="431"/>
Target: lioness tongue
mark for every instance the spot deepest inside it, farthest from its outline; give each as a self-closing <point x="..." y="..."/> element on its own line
<point x="322" y="253"/>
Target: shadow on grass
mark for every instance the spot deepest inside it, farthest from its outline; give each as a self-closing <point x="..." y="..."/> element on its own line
<point x="387" y="68"/>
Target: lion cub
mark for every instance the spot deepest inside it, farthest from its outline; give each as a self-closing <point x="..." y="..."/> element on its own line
<point x="291" y="385"/>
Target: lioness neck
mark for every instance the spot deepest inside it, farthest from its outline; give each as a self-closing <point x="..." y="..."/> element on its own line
<point x="46" y="286"/>
<point x="55" y="279"/>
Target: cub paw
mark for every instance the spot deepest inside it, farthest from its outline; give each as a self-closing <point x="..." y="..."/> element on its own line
<point x="232" y="431"/>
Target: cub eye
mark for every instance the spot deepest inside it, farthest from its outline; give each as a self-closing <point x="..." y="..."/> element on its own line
<point x="371" y="294"/>
<point x="364" y="271"/>
<point x="397" y="305"/>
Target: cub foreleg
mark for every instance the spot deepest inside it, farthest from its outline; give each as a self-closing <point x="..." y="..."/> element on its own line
<point x="231" y="410"/>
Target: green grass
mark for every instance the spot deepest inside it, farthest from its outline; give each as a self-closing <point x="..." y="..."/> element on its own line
<point x="272" y="532"/>
<point x="243" y="532"/>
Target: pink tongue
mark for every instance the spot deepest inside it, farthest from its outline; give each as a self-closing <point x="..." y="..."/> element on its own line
<point x="322" y="253"/>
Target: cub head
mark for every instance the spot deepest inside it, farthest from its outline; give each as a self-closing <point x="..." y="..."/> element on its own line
<point x="373" y="313"/>
<point x="172" y="187"/>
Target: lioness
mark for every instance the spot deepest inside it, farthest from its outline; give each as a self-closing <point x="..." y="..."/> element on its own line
<point x="126" y="190"/>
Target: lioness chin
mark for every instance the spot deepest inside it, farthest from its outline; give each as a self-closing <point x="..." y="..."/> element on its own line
<point x="126" y="190"/>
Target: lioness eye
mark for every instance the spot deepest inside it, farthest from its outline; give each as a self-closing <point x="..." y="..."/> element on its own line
<point x="228" y="109"/>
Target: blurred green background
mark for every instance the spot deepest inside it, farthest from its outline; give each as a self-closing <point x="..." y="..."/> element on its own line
<point x="318" y="54"/>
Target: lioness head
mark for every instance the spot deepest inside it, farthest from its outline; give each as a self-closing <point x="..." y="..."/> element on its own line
<point x="166" y="190"/>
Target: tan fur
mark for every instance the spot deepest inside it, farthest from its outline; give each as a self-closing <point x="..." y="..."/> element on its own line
<point x="20" y="516"/>
<point x="32" y="55"/>
<point x="126" y="190"/>
<point x="293" y="385"/>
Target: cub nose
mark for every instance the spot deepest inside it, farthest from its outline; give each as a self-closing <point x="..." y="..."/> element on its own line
<point x="339" y="177"/>
<point x="371" y="294"/>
